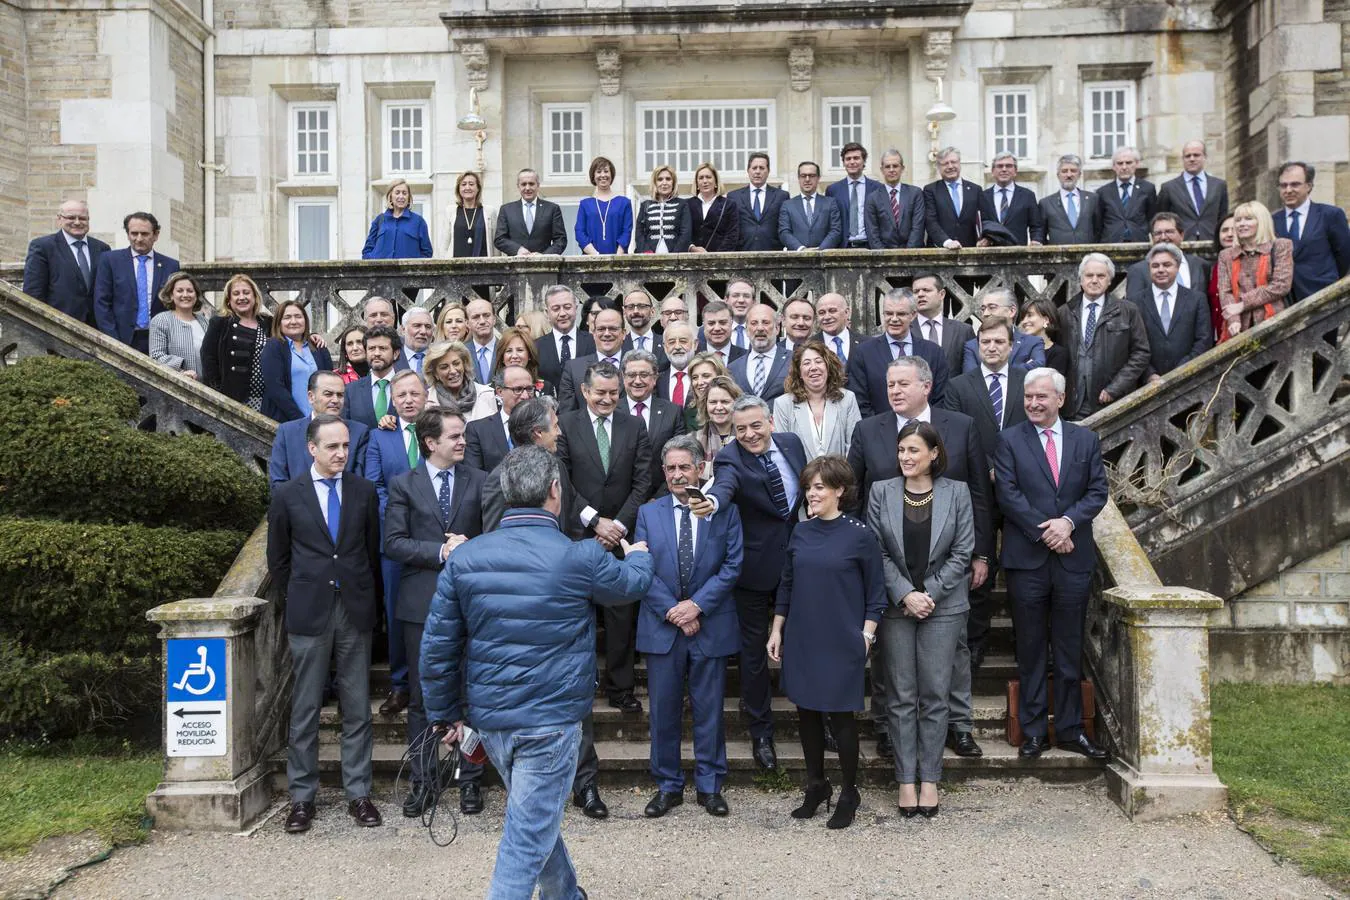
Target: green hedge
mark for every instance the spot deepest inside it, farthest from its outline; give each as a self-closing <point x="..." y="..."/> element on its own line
<point x="40" y="382"/>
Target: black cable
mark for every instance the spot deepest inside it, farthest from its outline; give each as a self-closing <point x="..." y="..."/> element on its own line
<point x="438" y="772"/>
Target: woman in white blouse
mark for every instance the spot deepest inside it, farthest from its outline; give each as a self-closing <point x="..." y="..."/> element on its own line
<point x="816" y="406"/>
<point x="663" y="224"/>
<point x="448" y="373"/>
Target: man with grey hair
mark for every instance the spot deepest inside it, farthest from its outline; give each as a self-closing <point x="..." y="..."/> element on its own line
<point x="895" y="214"/>
<point x="867" y="367"/>
<point x="1176" y="317"/>
<point x="951" y="205"/>
<point x="1107" y="341"/>
<point x="1072" y="215"/>
<point x="417" y="331"/>
<point x="59" y="269"/>
<point x="379" y="312"/>
<point x="566" y="341"/>
<point x="1198" y="199"/>
<point x="1128" y="202"/>
<point x="514" y="613"/>
<point x="1011" y="205"/>
<point x="1166" y="229"/>
<point x="762" y="370"/>
<point x="530" y="225"/>
<point x="1028" y="350"/>
<point x="673" y="383"/>
<point x="489" y="438"/>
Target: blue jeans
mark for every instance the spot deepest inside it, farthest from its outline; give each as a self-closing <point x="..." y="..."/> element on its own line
<point x="537" y="765"/>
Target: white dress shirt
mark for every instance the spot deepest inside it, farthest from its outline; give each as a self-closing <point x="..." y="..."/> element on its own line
<point x="1083" y="310"/>
<point x="752" y="361"/>
<point x="571" y="341"/>
<point x="1058" y="430"/>
<point x="407" y="435"/>
<point x="649" y="337"/>
<point x="645" y="415"/>
<point x="694" y="523"/>
<point x="590" y="513"/>
<point x="846" y="334"/>
<point x="1171" y="301"/>
<point x="923" y="323"/>
<point x="435" y="475"/>
<point x="926" y="415"/>
<point x="857" y="229"/>
<point x="1003" y="386"/>
<point x="321" y="491"/>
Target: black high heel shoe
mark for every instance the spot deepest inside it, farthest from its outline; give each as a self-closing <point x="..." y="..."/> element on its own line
<point x="845" y="809"/>
<point x="928" y="812"/>
<point x="816" y="794"/>
<point x="908" y="812"/>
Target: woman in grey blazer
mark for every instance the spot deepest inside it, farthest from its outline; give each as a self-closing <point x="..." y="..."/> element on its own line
<point x="816" y="407"/>
<point x="927" y="535"/>
<point x="176" y="334"/>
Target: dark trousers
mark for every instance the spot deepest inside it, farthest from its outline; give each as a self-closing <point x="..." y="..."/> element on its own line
<point x="1053" y="598"/>
<point x="417" y="713"/>
<point x="755" y="610"/>
<point x="707" y="679"/>
<point x="588" y="763"/>
<point x="140" y="340"/>
<point x="620" y="637"/>
<point x="392" y="573"/>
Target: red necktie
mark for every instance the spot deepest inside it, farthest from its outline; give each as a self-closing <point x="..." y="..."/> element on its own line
<point x="677" y="396"/>
<point x="895" y="207"/>
<point x="638" y="407"/>
<point x="1050" y="455"/>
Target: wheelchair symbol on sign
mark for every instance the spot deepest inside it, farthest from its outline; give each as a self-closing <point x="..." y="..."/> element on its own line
<point x="195" y="669"/>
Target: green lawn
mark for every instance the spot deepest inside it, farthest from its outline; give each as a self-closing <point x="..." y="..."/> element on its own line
<point x="66" y="789"/>
<point x="1284" y="753"/>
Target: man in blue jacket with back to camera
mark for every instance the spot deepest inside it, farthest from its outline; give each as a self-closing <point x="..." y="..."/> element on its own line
<point x="515" y="606"/>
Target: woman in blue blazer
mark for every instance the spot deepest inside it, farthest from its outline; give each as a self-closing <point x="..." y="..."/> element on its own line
<point x="288" y="360"/>
<point x="398" y="232"/>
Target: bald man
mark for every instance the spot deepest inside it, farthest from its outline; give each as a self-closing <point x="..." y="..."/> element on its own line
<point x="379" y="313"/>
<point x="762" y="370"/>
<point x="59" y="269"/>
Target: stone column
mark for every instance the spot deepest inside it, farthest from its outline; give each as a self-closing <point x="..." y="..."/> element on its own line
<point x="1163" y="765"/>
<point x="223" y="792"/>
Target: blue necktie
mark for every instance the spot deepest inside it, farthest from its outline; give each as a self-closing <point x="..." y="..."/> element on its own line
<point x="1073" y="210"/>
<point x="955" y="188"/>
<point x="1195" y="192"/>
<point x="839" y="350"/>
<point x="759" y="210"/>
<point x="1124" y="193"/>
<point x="1091" y="327"/>
<point x="996" y="398"/>
<point x="334" y="508"/>
<point x="447" y="479"/>
<point x="739" y="339"/>
<point x="483" y="374"/>
<point x="898" y="349"/>
<point x="1293" y="226"/>
<point x="685" y="552"/>
<point x="776" y="490"/>
<point x="417" y="361"/>
<point x="142" y="293"/>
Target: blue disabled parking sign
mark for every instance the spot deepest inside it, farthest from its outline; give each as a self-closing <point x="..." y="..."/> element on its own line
<point x="195" y="679"/>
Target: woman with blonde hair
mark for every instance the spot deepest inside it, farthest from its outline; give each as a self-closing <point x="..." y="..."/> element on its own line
<point x="714" y="430"/>
<point x="702" y="369"/>
<point x="233" y="347"/>
<point x="714" y="222"/>
<point x="815" y="406"/>
<point x="472" y="223"/>
<point x="1255" y="274"/>
<point x="176" y="334"/>
<point x="453" y="323"/>
<point x="398" y="232"/>
<point x="663" y="222"/>
<point x="448" y="372"/>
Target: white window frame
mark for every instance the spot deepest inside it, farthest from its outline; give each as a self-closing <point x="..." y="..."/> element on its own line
<point x="827" y="149"/>
<point x="293" y="224"/>
<point x="550" y="170"/>
<point x="990" y="95"/>
<point x="386" y="138"/>
<point x="1131" y="111"/>
<point x="686" y="177"/>
<point x="293" y="141"/>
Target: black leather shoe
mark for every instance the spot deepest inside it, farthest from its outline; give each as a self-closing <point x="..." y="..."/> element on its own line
<point x="963" y="744"/>
<point x="470" y="798"/>
<point x="1033" y="747"/>
<point x="418" y="802"/>
<point x="626" y="702"/>
<point x="713" y="803"/>
<point x="365" y="813"/>
<point x="1084" y="745"/>
<point x="663" y="802"/>
<point x="884" y="748"/>
<point x="592" y="807"/>
<point x="395" y="703"/>
<point x="766" y="757"/>
<point x="302" y="815"/>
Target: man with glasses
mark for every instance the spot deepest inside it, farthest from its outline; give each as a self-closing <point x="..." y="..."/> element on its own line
<point x="1166" y="229"/>
<point x="1028" y="350"/>
<point x="59" y="269"/>
<point x="673" y="309"/>
<point x="608" y="332"/>
<point x="489" y="440"/>
<point x="662" y="419"/>
<point x="637" y="312"/>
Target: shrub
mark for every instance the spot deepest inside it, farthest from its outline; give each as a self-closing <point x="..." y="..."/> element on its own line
<point x="40" y="381"/>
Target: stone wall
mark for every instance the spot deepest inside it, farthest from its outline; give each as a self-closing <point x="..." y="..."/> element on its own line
<point x="13" y="129"/>
<point x="184" y="123"/>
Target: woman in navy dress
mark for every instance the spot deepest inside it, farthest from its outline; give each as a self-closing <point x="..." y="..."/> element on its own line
<point x="830" y="599"/>
<point x="604" y="220"/>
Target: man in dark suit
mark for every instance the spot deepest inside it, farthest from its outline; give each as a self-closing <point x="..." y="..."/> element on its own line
<point x="127" y="283"/>
<point x="951" y="205"/>
<point x="799" y="323"/>
<point x="673" y="382"/>
<point x="1195" y="197"/>
<point x="761" y="475"/>
<point x="529" y="225"/>
<point x="1176" y="318"/>
<point x="758" y="204"/>
<point x="870" y="360"/>
<point x="566" y="341"/>
<point x="895" y="214"/>
<point x="432" y="509"/>
<point x="1072" y="215"/>
<point x="716" y="333"/>
<point x="1051" y="484"/>
<point x="1028" y="350"/>
<point x="607" y="455"/>
<point x="637" y="313"/>
<point x="487" y="439"/>
<point x="933" y="324"/>
<point x="1107" y="341"/>
<point x="59" y="269"/>
<point x="368" y="399"/>
<point x="1194" y="273"/>
<point x="1319" y="231"/>
<point x="662" y="419"/>
<point x="851" y="194"/>
<point x="1011" y="205"/>
<point x="687" y="628"/>
<point x="290" y="448"/>
<point x="608" y="332"/>
<point x="323" y="544"/>
<point x="1127" y="202"/>
<point x="761" y="371"/>
<point x="833" y="315"/>
<point x="810" y="220"/>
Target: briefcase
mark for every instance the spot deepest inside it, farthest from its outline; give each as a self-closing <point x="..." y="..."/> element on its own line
<point x="1013" y="728"/>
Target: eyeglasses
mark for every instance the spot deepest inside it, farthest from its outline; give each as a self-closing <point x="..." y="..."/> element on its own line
<point x="524" y="389"/>
<point x="640" y="375"/>
<point x="73" y="218"/>
<point x="638" y="306"/>
<point x="606" y="329"/>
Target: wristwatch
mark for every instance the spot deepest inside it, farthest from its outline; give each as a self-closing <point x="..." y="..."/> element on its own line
<point x="870" y="638"/>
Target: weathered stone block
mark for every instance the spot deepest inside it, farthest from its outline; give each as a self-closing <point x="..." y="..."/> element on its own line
<point x="1301" y="584"/>
<point x="1328" y="137"/>
<point x="1338" y="587"/>
<point x="1333" y="560"/>
<point x="1260" y="614"/>
<point x="1269" y="588"/>
<point x="1314" y="48"/>
<point x="1322" y="615"/>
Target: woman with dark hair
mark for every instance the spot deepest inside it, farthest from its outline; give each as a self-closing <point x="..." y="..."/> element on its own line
<point x="927" y="534"/>
<point x="287" y="362"/>
<point x="448" y="372"/>
<point x="663" y="221"/>
<point x="176" y="334"/>
<point x="233" y="347"/>
<point x="516" y="347"/>
<point x="352" y="354"/>
<point x="604" y="219"/>
<point x="472" y="223"/>
<point x="816" y="407"/>
<point x="714" y="222"/>
<point x="713" y="417"/>
<point x="398" y="232"/>
<point x="1224" y="238"/>
<point x="830" y="599"/>
<point x="1039" y="319"/>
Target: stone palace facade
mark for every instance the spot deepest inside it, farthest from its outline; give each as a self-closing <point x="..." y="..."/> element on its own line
<point x="270" y="129"/>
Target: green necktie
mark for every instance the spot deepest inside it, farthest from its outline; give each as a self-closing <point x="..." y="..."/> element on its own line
<point x="413" y="455"/>
<point x="602" y="441"/>
<point x="382" y="399"/>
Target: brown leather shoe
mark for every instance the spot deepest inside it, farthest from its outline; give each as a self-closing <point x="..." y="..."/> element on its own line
<point x="395" y="703"/>
<point x="302" y="815"/>
<point x="365" y="813"/>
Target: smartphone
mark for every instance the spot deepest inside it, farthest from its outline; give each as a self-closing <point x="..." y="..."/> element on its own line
<point x="694" y="493"/>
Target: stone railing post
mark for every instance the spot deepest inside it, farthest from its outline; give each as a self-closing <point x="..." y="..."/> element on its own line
<point x="1164" y="761"/>
<point x="211" y="780"/>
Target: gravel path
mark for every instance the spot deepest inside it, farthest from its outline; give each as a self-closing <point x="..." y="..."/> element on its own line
<point x="991" y="840"/>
